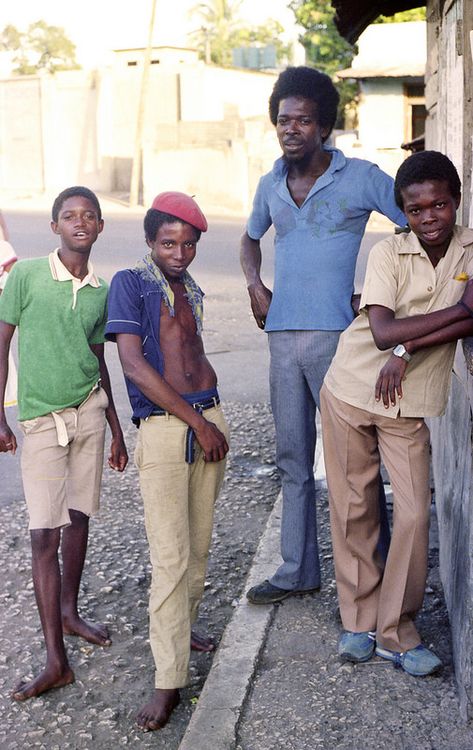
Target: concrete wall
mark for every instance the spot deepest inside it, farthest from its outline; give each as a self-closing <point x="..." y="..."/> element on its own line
<point x="389" y="57"/>
<point x="206" y="130"/>
<point x="381" y="123"/>
<point x="222" y="171"/>
<point x="449" y="92"/>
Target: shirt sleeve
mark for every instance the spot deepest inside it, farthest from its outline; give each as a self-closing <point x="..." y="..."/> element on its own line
<point x="260" y="217"/>
<point x="379" y="193"/>
<point x="381" y="279"/>
<point x="12" y="296"/>
<point x="124" y="306"/>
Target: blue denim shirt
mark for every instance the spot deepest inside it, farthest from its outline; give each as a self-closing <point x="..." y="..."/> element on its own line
<point x="134" y="306"/>
<point x="316" y="244"/>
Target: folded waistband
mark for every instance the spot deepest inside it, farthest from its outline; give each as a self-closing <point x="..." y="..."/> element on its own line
<point x="201" y="405"/>
<point x="61" y="427"/>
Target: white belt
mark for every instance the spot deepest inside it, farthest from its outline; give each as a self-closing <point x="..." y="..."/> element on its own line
<point x="61" y="428"/>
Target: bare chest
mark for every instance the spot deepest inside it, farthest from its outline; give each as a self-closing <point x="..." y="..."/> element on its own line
<point x="180" y="326"/>
<point x="299" y="188"/>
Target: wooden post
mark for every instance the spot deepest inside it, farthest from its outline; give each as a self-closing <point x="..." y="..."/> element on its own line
<point x="140" y="120"/>
<point x="467" y="23"/>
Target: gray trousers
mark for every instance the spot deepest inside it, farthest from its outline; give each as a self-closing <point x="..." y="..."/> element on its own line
<point x="299" y="362"/>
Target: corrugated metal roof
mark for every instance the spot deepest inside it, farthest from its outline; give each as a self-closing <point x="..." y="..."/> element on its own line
<point x="396" y="71"/>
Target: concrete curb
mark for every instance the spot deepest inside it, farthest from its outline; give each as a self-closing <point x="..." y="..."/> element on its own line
<point x="215" y="719"/>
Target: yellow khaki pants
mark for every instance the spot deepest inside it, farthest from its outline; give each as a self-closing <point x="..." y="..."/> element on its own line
<point x="178" y="503"/>
<point x="370" y="597"/>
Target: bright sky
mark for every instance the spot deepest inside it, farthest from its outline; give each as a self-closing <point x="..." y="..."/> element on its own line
<point x="98" y="26"/>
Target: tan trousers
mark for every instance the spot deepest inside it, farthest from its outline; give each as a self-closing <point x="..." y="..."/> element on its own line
<point x="179" y="503"/>
<point x="372" y="598"/>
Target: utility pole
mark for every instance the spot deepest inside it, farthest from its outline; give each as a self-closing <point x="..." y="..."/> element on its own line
<point x="138" y="150"/>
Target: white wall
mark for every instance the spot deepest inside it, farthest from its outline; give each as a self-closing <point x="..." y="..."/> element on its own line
<point x="78" y="127"/>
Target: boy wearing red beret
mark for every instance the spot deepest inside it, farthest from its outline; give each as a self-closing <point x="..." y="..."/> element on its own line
<point x="155" y="317"/>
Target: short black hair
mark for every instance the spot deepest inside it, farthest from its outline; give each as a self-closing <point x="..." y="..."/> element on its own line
<point x="311" y="84"/>
<point x="70" y="193"/>
<point x="426" y="165"/>
<point x="154" y="219"/>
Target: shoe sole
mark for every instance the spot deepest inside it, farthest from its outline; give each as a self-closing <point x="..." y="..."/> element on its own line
<point x="355" y="659"/>
<point x="281" y="597"/>
<point x="384" y="654"/>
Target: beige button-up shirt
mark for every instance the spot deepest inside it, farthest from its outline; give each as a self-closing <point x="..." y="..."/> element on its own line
<point x="400" y="276"/>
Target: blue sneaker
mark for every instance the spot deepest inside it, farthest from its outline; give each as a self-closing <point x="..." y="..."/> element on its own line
<point x="356" y="647"/>
<point x="418" y="661"/>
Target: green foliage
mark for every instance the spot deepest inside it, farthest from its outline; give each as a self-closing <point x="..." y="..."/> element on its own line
<point x="222" y="31"/>
<point x="325" y="48"/>
<point x="416" y="14"/>
<point x="40" y="47"/>
<point x="328" y="51"/>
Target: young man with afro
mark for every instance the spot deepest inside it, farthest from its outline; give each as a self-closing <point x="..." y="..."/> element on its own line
<point x="319" y="202"/>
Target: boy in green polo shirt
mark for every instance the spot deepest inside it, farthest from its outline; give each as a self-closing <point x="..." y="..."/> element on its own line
<point x="391" y="369"/>
<point x="64" y="400"/>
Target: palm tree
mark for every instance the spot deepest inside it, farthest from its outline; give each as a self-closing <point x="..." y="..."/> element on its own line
<point x="219" y="19"/>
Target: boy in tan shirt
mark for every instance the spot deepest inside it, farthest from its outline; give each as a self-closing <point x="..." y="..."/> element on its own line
<point x="392" y="368"/>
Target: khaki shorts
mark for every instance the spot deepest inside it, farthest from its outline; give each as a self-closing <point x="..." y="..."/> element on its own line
<point x="62" y="462"/>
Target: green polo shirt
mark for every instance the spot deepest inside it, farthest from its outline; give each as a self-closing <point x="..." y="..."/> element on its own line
<point x="56" y="325"/>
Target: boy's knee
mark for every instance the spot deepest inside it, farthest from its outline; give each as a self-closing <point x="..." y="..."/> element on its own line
<point x="45" y="541"/>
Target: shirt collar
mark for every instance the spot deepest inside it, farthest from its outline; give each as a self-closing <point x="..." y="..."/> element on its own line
<point x="59" y="272"/>
<point x="462" y="236"/>
<point x="338" y="161"/>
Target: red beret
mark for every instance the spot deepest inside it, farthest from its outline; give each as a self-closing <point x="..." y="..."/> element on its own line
<point x="181" y="206"/>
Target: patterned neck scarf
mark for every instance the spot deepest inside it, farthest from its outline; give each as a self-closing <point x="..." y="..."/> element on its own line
<point x="149" y="271"/>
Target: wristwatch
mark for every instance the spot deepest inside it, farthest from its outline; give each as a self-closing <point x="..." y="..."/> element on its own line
<point x="401" y="351"/>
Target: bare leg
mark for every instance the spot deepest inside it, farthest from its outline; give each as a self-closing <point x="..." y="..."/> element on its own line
<point x="73" y="550"/>
<point x="156" y="713"/>
<point x="47" y="587"/>
<point x="201" y="642"/>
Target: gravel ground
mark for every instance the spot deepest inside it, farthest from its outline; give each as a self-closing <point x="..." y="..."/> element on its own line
<point x="98" y="710"/>
<point x="304" y="698"/>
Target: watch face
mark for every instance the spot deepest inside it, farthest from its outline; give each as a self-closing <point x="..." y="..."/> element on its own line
<point x="401" y="351"/>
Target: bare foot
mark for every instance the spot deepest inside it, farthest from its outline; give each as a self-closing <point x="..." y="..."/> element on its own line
<point x="156" y="713"/>
<point x="201" y="643"/>
<point x="89" y="631"/>
<point x="46" y="680"/>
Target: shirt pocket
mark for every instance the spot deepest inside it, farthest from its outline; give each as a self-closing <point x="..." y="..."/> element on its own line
<point x="451" y="292"/>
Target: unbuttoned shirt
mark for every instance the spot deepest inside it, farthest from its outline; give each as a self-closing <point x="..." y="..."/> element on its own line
<point x="317" y="244"/>
<point x="401" y="277"/>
